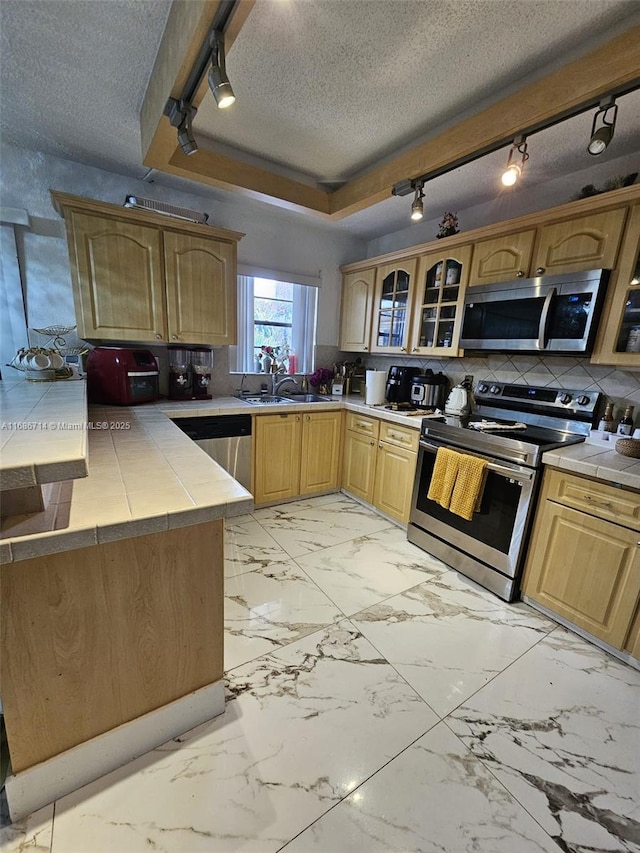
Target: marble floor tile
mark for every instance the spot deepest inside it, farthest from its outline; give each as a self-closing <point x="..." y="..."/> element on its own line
<point x="248" y="546"/>
<point x="560" y="728"/>
<point x="303" y="727"/>
<point x="302" y="531"/>
<point x="268" y="608"/>
<point x="448" y="636"/>
<point x="433" y="798"/>
<point x="32" y="834"/>
<point x="368" y="569"/>
<point x="293" y="508"/>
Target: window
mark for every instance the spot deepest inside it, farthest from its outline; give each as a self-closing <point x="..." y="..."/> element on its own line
<point x="276" y="314"/>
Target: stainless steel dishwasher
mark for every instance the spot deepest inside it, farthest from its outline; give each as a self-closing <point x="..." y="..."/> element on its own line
<point x="225" y="438"/>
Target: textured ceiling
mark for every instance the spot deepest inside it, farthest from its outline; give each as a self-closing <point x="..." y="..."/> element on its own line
<point x="326" y="89"/>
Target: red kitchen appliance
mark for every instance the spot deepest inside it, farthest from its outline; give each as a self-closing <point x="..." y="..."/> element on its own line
<point x="119" y="376"/>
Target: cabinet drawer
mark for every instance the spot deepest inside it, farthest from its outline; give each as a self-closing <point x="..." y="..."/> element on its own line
<point x="399" y="436"/>
<point x="598" y="499"/>
<point x="362" y="424"/>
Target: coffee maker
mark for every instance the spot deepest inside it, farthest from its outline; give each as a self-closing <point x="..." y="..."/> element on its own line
<point x="399" y="382"/>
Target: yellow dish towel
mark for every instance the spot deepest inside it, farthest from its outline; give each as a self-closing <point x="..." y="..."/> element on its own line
<point x="445" y="471"/>
<point x="467" y="491"/>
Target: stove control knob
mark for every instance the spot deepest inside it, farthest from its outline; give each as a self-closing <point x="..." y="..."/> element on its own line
<point x="564" y="399"/>
<point x="583" y="400"/>
<point x="495" y="389"/>
<point x="482" y="388"/>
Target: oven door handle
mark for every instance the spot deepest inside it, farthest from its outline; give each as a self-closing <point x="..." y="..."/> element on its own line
<point x="544" y="318"/>
<point x="518" y="474"/>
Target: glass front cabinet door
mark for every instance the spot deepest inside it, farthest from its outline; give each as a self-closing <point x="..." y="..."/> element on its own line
<point x="394" y="286"/>
<point x="441" y="281"/>
<point x="618" y="339"/>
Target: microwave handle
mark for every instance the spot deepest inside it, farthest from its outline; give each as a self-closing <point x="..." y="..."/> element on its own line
<point x="544" y="318"/>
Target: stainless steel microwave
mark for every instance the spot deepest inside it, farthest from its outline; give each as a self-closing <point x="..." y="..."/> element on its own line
<point x="556" y="314"/>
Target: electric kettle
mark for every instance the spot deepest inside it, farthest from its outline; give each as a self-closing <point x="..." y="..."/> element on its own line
<point x="460" y="400"/>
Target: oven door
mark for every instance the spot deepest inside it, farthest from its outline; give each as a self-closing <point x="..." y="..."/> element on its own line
<point x="496" y="534"/>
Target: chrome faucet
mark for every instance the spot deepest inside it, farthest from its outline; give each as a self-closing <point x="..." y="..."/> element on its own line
<point x="277" y="385"/>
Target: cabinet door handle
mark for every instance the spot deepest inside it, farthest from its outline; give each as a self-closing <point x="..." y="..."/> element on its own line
<point x="297" y="418"/>
<point x="519" y="274"/>
<point x="540" y="270"/>
<point x="307" y="417"/>
<point x="365" y="348"/>
<point x="174" y="337"/>
<point x="415" y="349"/>
<point x="372" y="443"/>
<point x="403" y="349"/>
<point x="158" y="337"/>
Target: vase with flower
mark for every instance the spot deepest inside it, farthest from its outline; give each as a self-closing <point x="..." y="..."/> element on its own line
<point x="321" y="379"/>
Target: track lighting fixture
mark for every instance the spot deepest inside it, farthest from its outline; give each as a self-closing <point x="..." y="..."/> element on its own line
<point x="605" y="116"/>
<point x="517" y="158"/>
<point x="181" y="115"/>
<point x="417" y="208"/>
<point x="218" y="80"/>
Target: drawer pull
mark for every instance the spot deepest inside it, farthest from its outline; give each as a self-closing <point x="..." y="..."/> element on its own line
<point x="601" y="504"/>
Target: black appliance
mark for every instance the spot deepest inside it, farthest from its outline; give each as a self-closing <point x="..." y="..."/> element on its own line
<point x="399" y="382"/>
<point x="429" y="391"/>
<point x="511" y="429"/>
<point x="554" y="313"/>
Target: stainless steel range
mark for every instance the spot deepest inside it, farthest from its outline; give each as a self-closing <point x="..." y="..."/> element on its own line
<point x="512" y="426"/>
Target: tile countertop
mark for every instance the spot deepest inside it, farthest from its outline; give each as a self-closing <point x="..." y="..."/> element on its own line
<point x="596" y="460"/>
<point x="42" y="437"/>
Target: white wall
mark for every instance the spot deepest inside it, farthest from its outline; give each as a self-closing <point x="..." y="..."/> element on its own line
<point x="274" y="238"/>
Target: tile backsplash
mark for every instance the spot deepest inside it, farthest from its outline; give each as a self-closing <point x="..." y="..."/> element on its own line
<point x="620" y="386"/>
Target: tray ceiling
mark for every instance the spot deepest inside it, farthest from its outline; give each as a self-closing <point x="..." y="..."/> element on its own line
<point x="326" y="91"/>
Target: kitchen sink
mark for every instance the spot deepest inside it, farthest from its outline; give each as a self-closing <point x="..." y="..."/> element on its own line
<point x="308" y="398"/>
<point x="266" y="399"/>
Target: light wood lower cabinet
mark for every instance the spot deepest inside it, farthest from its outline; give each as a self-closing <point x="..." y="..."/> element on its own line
<point x="360" y="451"/>
<point x="380" y="463"/>
<point x="296" y="453"/>
<point x="320" y="459"/>
<point x="583" y="566"/>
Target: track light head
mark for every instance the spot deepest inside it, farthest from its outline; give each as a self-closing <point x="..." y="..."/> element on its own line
<point x="518" y="156"/>
<point x="218" y="80"/>
<point x="511" y="175"/>
<point x="417" y="208"/>
<point x="180" y="114"/>
<point x="602" y="136"/>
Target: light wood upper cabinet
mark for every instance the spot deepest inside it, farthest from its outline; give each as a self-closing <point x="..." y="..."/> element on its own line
<point x="582" y="566"/>
<point x="138" y="276"/>
<point x="201" y="307"/>
<point x="502" y="258"/>
<point x="618" y="340"/>
<point x="587" y="243"/>
<point x="356" y="311"/>
<point x="321" y="445"/>
<point x="391" y="310"/>
<point x="108" y="305"/>
<point x="441" y="282"/>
